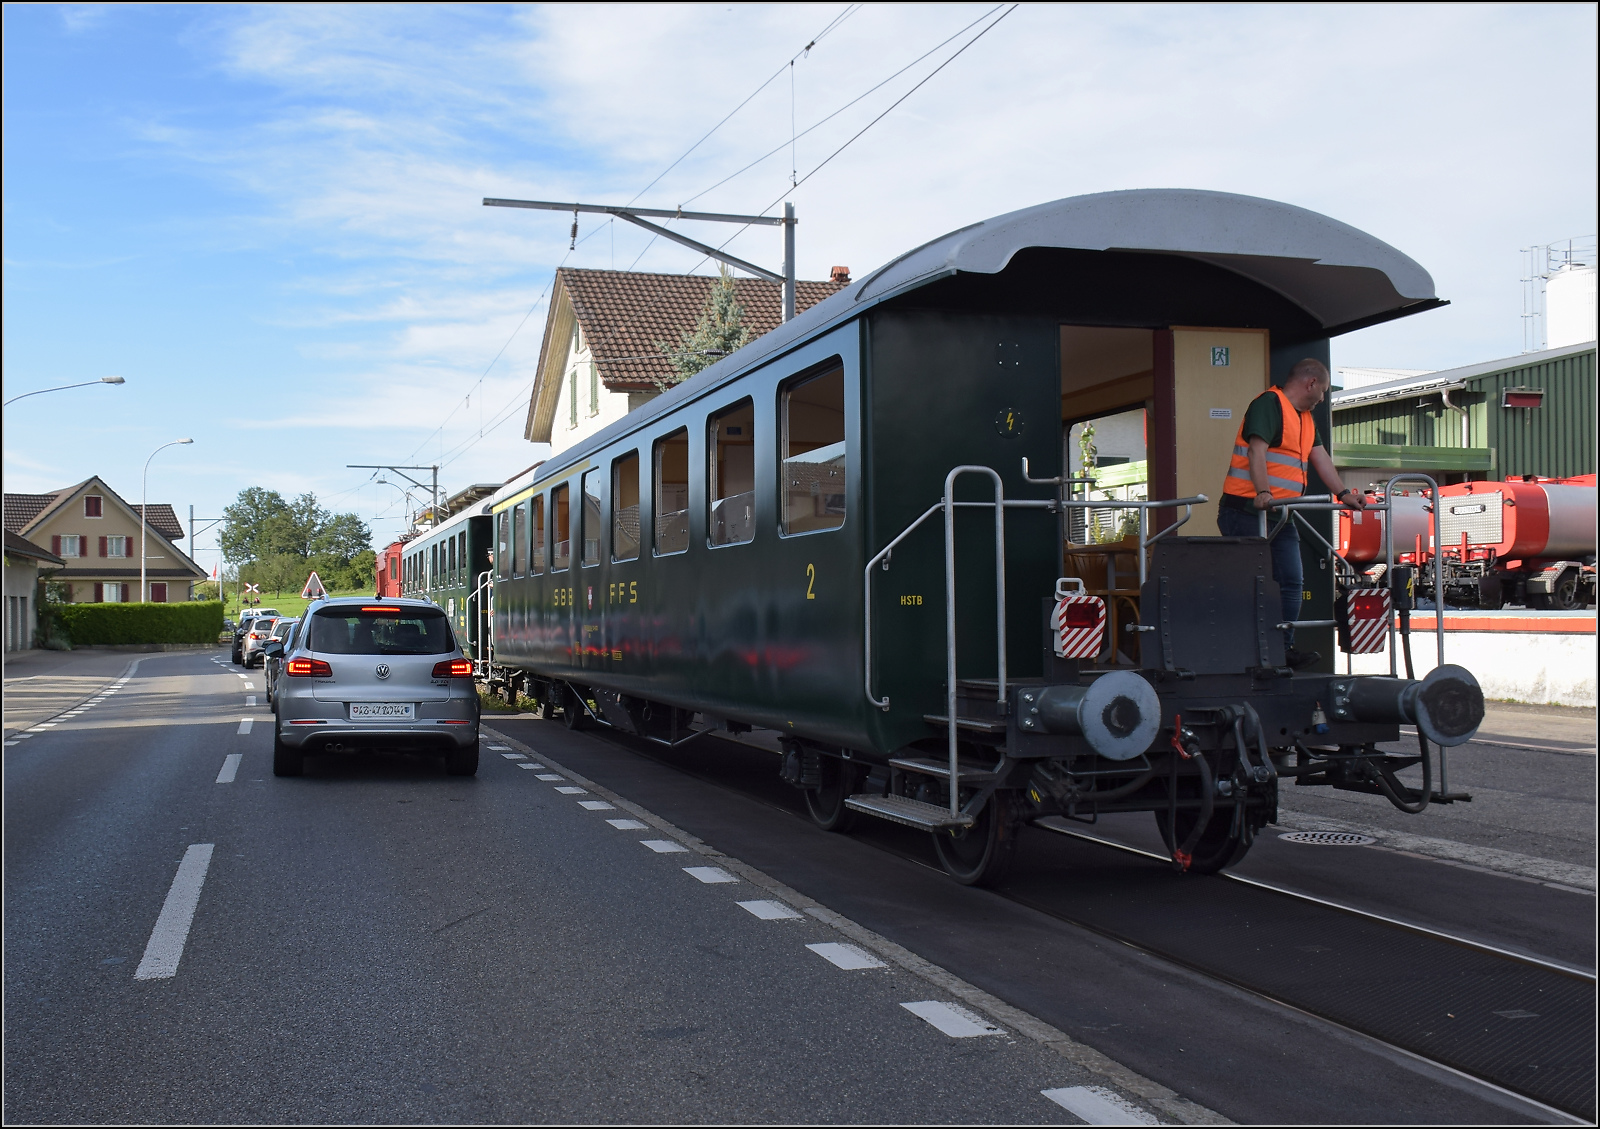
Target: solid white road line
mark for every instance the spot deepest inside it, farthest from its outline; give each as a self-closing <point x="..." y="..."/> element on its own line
<point x="551" y="776"/>
<point x="710" y="874"/>
<point x="1096" y="1105"/>
<point x="230" y="768"/>
<point x="769" y="911"/>
<point x="167" y="939"/>
<point x="957" y="1022"/>
<point x="596" y="805"/>
<point x="844" y="956"/>
<point x="249" y="699"/>
<point x="244" y="725"/>
<point x="664" y="846"/>
<point x="573" y="790"/>
<point x="626" y="824"/>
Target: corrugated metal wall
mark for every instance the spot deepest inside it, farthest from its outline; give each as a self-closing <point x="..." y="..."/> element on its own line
<point x="1555" y="440"/>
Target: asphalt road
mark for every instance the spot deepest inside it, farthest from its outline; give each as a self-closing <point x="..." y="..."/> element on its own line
<point x="379" y="942"/>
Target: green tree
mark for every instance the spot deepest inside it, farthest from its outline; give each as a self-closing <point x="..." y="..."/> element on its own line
<point x="248" y="525"/>
<point x="719" y="331"/>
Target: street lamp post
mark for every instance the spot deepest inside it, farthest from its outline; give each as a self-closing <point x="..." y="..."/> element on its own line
<point x="144" y="517"/>
<point x="64" y="387"/>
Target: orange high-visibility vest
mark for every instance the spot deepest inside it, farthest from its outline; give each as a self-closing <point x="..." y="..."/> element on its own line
<point x="1286" y="463"/>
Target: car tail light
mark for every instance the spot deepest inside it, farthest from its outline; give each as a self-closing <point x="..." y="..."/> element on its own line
<point x="453" y="668"/>
<point x="254" y="635"/>
<point x="307" y="668"/>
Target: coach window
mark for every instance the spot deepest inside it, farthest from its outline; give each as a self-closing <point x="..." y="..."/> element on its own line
<point x="591" y="517"/>
<point x="502" y="545"/>
<point x="731" y="474"/>
<point x="433" y="565"/>
<point x="560" y="528"/>
<point x="454" y="577"/>
<point x="536" y="535"/>
<point x="625" y="507"/>
<point x="519" y="538"/>
<point x="463" y="566"/>
<point x="813" y="452"/>
<point x="672" y="492"/>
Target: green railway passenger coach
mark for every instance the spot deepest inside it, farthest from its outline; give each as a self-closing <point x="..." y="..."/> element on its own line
<point x="747" y="546"/>
<point x="449" y="564"/>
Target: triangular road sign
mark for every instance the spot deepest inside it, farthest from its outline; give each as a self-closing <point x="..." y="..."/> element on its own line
<point x="314" y="589"/>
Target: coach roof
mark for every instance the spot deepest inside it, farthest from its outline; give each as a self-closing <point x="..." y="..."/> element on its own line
<point x="1340" y="276"/>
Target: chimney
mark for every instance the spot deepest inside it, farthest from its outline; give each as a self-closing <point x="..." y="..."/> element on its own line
<point x="839" y="276"/>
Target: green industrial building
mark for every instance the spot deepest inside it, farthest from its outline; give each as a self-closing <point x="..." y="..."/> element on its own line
<point x="1533" y="414"/>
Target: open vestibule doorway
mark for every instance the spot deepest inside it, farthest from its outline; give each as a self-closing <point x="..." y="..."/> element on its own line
<point x="1148" y="414"/>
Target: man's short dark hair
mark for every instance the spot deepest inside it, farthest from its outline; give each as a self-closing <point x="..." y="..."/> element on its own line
<point x="1306" y="366"/>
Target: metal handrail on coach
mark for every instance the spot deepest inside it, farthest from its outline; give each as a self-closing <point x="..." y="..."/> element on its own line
<point x="948" y="505"/>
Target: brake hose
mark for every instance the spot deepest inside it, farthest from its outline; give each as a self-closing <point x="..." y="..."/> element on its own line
<point x="1385" y="785"/>
<point x="1183" y="856"/>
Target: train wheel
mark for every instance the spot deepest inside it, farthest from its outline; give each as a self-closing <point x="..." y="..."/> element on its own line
<point x="1217" y="847"/>
<point x="825" y="803"/>
<point x="981" y="854"/>
<point x="572" y="710"/>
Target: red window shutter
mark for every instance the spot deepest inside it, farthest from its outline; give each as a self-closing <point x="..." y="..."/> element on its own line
<point x="158" y="593"/>
<point x="99" y="593"/>
<point x="55" y="544"/>
<point x="102" y="546"/>
<point x="125" y="593"/>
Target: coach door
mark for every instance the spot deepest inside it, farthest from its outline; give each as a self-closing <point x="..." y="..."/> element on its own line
<point x="1215" y="375"/>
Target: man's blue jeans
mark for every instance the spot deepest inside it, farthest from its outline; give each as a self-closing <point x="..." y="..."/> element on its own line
<point x="1286" y="567"/>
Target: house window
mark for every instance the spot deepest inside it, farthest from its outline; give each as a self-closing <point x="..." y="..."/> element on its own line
<point x="115" y="547"/>
<point x="573" y="390"/>
<point x="111" y="593"/>
<point x="730" y="474"/>
<point x="158" y="592"/>
<point x="93" y="505"/>
<point x="68" y="546"/>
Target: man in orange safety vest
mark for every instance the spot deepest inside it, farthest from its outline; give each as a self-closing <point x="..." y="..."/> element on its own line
<point x="1277" y="445"/>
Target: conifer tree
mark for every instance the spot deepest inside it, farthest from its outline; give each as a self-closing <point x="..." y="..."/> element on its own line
<point x="719" y="331"/>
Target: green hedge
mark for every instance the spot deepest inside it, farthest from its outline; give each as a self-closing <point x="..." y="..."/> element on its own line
<point x="88" y="625"/>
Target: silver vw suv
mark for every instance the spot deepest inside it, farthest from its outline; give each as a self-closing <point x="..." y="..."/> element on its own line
<point x="373" y="673"/>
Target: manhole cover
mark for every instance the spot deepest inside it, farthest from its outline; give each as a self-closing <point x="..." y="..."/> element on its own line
<point x="1327" y="838"/>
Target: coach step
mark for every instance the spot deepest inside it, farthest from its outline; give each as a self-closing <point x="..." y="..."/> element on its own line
<point x="969" y="774"/>
<point x="911" y="813"/>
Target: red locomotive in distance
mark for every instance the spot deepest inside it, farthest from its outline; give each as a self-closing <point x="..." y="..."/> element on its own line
<point x="388" y="569"/>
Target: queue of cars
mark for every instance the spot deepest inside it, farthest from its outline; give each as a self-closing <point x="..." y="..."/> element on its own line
<point x="362" y="672"/>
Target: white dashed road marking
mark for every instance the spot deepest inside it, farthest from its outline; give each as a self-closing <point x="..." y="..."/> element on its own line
<point x="1096" y="1105"/>
<point x="769" y="911"/>
<point x="526" y="765"/>
<point x="244" y="725"/>
<point x="551" y="776"/>
<point x="596" y="805"/>
<point x="844" y="956"/>
<point x="664" y="846"/>
<point x="709" y="874"/>
<point x="249" y="685"/>
<point x="626" y="824"/>
<point x="167" y="939"/>
<point x="249" y="699"/>
<point x="230" y="768"/>
<point x="957" y="1022"/>
<point x="502" y="749"/>
<point x="573" y="790"/>
<point x="511" y="756"/>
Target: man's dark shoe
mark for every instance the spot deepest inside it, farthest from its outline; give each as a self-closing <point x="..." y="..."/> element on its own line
<point x="1297" y="659"/>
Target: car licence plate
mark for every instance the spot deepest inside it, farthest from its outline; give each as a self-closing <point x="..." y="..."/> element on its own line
<point x="382" y="711"/>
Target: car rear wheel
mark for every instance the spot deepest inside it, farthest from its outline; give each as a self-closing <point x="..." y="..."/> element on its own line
<point x="462" y="762"/>
<point x="285" y="761"/>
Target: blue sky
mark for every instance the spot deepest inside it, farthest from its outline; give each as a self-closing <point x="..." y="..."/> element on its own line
<point x="267" y="219"/>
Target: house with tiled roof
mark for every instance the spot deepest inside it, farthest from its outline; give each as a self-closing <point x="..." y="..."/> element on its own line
<point x="602" y="354"/>
<point x="97" y="536"/>
<point x="24" y="560"/>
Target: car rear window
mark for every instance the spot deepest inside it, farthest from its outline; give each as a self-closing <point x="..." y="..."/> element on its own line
<point x="381" y="631"/>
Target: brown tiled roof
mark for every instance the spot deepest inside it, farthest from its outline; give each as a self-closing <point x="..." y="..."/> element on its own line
<point x="23" y="508"/>
<point x="162" y="520"/>
<point x="624" y="314"/>
<point x="18" y="546"/>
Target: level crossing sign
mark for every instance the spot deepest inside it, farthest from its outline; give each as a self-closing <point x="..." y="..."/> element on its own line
<point x="253" y="588"/>
<point x="314" y="589"/>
